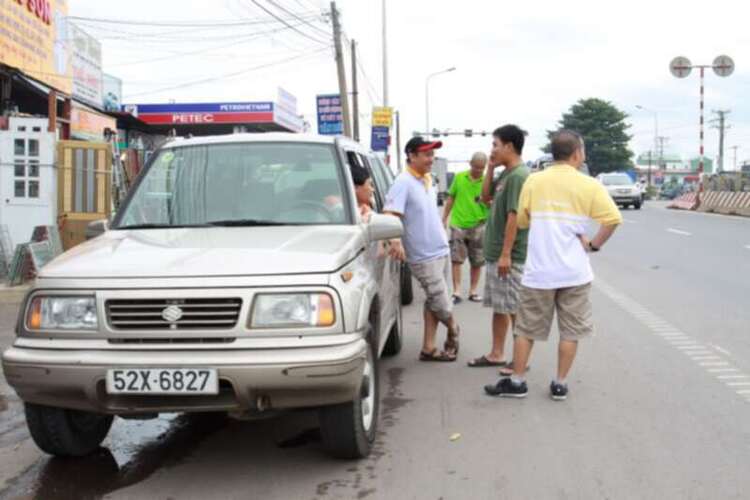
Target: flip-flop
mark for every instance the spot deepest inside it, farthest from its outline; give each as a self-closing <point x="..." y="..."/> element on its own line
<point x="475" y="298"/>
<point x="482" y="362"/>
<point x="456" y="299"/>
<point x="436" y="356"/>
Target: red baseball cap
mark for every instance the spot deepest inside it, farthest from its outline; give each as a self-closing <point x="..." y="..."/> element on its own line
<point x="418" y="144"/>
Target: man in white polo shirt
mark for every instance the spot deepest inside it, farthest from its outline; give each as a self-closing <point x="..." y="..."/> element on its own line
<point x="425" y="245"/>
<point x="557" y="205"/>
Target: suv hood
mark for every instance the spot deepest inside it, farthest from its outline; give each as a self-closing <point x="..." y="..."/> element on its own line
<point x="209" y="252"/>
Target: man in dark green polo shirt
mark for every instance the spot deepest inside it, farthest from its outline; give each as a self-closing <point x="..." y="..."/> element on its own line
<point x="504" y="243"/>
<point x="465" y="214"/>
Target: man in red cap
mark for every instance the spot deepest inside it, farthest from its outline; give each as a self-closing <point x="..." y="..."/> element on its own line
<point x="413" y="199"/>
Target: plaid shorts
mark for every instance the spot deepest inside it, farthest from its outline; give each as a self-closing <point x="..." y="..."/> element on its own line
<point x="502" y="294"/>
<point x="467" y="243"/>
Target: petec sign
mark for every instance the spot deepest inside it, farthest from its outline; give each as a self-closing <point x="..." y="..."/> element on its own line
<point x="203" y="113"/>
<point x="40" y="8"/>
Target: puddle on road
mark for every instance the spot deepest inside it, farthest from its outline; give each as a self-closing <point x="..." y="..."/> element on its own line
<point x="134" y="451"/>
<point x="390" y="404"/>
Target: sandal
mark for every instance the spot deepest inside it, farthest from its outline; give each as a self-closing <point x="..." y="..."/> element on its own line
<point x="482" y="361"/>
<point x="456" y="299"/>
<point x="476" y="298"/>
<point x="452" y="345"/>
<point x="507" y="370"/>
<point x="436" y="355"/>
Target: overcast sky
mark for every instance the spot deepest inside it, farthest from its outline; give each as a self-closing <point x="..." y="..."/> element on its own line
<point x="520" y="62"/>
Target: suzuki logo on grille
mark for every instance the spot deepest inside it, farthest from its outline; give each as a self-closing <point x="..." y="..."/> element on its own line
<point x="172" y="314"/>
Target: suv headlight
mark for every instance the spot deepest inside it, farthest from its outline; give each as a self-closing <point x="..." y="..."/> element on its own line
<point x="62" y="313"/>
<point x="292" y="310"/>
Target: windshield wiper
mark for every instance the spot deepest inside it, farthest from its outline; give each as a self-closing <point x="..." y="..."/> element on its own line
<point x="160" y="226"/>
<point x="247" y="223"/>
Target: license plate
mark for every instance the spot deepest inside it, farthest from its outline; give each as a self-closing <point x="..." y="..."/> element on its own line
<point x="163" y="381"/>
<point x="623" y="191"/>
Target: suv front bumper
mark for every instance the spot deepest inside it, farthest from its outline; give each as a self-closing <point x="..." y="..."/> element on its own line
<point x="280" y="378"/>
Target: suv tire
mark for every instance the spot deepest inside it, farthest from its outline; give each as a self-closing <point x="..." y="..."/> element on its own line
<point x="637" y="205"/>
<point x="395" y="337"/>
<point x="407" y="291"/>
<point x="348" y="430"/>
<point x="66" y="433"/>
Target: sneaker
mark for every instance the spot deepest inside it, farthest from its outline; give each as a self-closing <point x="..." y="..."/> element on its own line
<point x="559" y="392"/>
<point x="507" y="389"/>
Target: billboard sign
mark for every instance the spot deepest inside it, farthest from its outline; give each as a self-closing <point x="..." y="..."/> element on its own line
<point x="34" y="40"/>
<point x="382" y="116"/>
<point x="330" y="115"/>
<point x="379" y="139"/>
<point x="86" y="59"/>
<point x="87" y="125"/>
<point x="203" y="113"/>
<point x="111" y="92"/>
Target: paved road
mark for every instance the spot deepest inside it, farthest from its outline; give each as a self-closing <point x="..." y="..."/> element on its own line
<point x="659" y="405"/>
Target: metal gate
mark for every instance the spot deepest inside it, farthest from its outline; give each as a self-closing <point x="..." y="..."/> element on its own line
<point x="84" y="187"/>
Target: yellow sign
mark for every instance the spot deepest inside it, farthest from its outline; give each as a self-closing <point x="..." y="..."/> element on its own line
<point x="382" y="116"/>
<point x="88" y="125"/>
<point x="34" y="39"/>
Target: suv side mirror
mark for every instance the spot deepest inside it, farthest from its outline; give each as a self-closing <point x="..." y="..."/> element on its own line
<point x="96" y="228"/>
<point x="384" y="227"/>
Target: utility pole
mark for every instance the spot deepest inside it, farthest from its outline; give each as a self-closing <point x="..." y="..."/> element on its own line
<point x="398" y="141"/>
<point x="722" y="127"/>
<point x="385" y="78"/>
<point x="734" y="163"/>
<point x="661" y="140"/>
<point x="355" y="92"/>
<point x="343" y="92"/>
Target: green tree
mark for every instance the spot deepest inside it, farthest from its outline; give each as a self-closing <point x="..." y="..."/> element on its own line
<point x="604" y="131"/>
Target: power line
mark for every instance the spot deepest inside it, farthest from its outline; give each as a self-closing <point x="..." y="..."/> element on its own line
<point x="369" y="88"/>
<point x="233" y="74"/>
<point x="306" y="35"/>
<point x="182" y="24"/>
<point x="272" y="2"/>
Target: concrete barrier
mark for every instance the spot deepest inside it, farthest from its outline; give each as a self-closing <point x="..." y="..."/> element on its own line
<point x="687" y="201"/>
<point x="726" y="202"/>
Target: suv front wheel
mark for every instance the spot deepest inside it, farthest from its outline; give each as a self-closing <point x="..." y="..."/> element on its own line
<point x="66" y="433"/>
<point x="348" y="430"/>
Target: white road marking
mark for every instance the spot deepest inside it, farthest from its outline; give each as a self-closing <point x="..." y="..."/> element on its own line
<point x="698" y="352"/>
<point x="630" y="221"/>
<point x="721" y="350"/>
<point x="678" y="231"/>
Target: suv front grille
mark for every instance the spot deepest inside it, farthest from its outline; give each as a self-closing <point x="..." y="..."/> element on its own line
<point x="173" y="314"/>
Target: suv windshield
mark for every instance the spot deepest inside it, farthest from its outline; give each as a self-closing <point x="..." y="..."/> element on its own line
<point x="616" y="180"/>
<point x="239" y="184"/>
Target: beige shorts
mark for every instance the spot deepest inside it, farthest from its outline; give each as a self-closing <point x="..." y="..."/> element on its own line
<point x="467" y="243"/>
<point x="435" y="279"/>
<point x="537" y="309"/>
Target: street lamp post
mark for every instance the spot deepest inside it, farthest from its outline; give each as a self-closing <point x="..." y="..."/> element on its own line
<point x="656" y="137"/>
<point x="427" y="95"/>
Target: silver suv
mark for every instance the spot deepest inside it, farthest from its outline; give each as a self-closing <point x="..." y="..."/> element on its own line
<point x="237" y="277"/>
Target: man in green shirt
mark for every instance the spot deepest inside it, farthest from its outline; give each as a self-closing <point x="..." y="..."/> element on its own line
<point x="504" y="243"/>
<point x="466" y="225"/>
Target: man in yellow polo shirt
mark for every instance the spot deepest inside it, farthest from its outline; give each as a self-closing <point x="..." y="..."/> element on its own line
<point x="557" y="205"/>
<point x="465" y="214"/>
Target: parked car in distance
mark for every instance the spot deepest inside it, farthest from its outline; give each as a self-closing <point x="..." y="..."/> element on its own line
<point x="237" y="277"/>
<point x="622" y="189"/>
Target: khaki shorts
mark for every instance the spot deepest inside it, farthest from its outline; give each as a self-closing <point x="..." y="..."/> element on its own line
<point x="435" y="279"/>
<point x="537" y="308"/>
<point x="468" y="243"/>
<point x="502" y="294"/>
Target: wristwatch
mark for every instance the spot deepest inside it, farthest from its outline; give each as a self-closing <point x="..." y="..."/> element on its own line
<point x="592" y="248"/>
